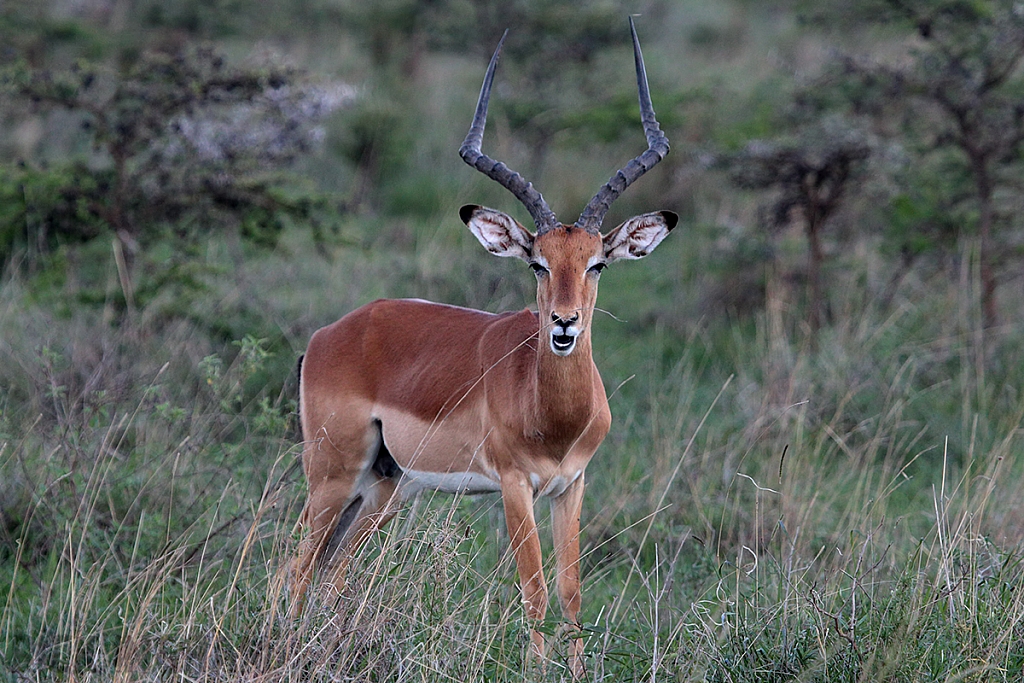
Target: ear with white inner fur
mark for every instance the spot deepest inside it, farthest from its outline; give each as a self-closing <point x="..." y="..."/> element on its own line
<point x="638" y="236"/>
<point x="500" y="234"/>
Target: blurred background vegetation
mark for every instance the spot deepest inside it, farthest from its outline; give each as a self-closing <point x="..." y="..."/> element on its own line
<point x="189" y="188"/>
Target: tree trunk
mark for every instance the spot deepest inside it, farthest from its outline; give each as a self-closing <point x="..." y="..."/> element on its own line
<point x="985" y="266"/>
<point x="124" y="237"/>
<point x="815" y="257"/>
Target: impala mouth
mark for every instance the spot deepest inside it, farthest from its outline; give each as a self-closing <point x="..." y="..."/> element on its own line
<point x="563" y="344"/>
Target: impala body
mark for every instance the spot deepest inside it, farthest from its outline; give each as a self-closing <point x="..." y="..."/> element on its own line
<point x="434" y="414"/>
<point x="405" y="395"/>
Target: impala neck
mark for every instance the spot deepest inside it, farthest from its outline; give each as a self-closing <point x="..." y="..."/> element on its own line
<point x="564" y="390"/>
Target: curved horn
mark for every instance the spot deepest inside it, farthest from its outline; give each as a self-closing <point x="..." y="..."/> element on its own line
<point x="657" y="148"/>
<point x="470" y="152"/>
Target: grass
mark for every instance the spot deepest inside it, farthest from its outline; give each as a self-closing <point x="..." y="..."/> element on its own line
<point x="760" y="511"/>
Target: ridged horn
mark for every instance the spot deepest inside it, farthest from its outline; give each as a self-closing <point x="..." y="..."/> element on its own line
<point x="657" y="148"/>
<point x="543" y="216"/>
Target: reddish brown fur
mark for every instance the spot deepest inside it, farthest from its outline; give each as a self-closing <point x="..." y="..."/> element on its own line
<point x="461" y="391"/>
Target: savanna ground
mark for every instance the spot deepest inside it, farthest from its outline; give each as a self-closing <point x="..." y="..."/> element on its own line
<point x="770" y="504"/>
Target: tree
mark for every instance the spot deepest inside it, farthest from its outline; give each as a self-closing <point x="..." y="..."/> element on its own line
<point x="959" y="87"/>
<point x="811" y="172"/>
<point x="181" y="143"/>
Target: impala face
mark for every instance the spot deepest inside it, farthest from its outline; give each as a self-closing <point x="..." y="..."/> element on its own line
<point x="567" y="261"/>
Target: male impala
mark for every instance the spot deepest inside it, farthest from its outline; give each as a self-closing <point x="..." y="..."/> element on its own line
<point x="405" y="395"/>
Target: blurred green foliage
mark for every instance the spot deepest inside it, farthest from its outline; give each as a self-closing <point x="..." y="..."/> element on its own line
<point x="177" y="146"/>
<point x="41" y="209"/>
<point x="161" y="117"/>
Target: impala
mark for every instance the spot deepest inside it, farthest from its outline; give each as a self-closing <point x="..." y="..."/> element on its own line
<point x="405" y="395"/>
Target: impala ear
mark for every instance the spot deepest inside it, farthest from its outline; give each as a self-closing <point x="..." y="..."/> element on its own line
<point x="500" y="234"/>
<point x="638" y="236"/>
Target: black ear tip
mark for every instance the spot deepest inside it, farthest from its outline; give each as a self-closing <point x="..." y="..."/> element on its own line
<point x="671" y="218"/>
<point x="467" y="211"/>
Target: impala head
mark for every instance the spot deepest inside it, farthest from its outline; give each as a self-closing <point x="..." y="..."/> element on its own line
<point x="567" y="259"/>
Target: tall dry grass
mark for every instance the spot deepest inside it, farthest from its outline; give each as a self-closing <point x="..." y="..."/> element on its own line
<point x="761" y="510"/>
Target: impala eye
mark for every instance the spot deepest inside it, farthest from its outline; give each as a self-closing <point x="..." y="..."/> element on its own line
<point x="597" y="268"/>
<point x="538" y="269"/>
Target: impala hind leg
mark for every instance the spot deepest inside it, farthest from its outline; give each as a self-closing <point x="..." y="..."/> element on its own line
<point x="378" y="503"/>
<point x="335" y="465"/>
<point x="333" y="505"/>
<point x="348" y="503"/>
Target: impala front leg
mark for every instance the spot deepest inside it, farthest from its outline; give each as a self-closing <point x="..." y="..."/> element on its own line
<point x="517" y="497"/>
<point x="565" y="526"/>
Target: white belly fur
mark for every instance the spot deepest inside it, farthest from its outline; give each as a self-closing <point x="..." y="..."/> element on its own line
<point x="414" y="481"/>
<point x="437" y="456"/>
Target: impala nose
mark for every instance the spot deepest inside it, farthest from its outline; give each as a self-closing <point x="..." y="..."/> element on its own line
<point x="565" y="322"/>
